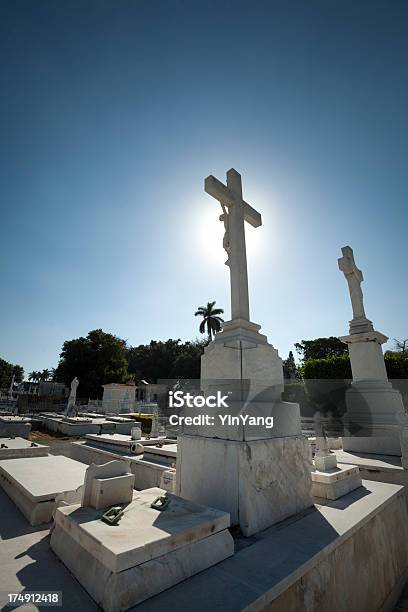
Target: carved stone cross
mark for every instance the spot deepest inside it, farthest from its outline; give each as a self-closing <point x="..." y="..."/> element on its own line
<point x="354" y="278"/>
<point x="235" y="212"/>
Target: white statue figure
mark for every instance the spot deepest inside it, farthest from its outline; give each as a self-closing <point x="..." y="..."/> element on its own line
<point x="354" y="277"/>
<point x="72" y="397"/>
<point x="226" y="240"/>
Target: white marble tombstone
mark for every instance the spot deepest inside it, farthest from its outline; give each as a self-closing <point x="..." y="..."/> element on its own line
<point x="259" y="475"/>
<point x="375" y="418"/>
<point x="71" y="410"/>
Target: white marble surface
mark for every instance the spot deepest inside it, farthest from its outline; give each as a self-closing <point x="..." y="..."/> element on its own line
<point x="167" y="450"/>
<point x="118" y="591"/>
<point x="258" y="482"/>
<point x="91" y="492"/>
<point x="42" y="478"/>
<point x="336" y="482"/>
<point x="142" y="533"/>
<point x="361" y="540"/>
<point x="20" y="447"/>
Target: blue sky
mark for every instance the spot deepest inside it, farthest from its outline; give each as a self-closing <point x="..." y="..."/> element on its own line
<point x="113" y="112"/>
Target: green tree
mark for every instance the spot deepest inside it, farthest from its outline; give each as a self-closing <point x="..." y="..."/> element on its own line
<point x="44" y="375"/>
<point x="7" y="370"/>
<point x="401" y="346"/>
<point x="331" y="368"/>
<point x="98" y="359"/>
<point x="34" y="376"/>
<point x="188" y="362"/>
<point x="165" y="360"/>
<point x="321" y="348"/>
<point x="212" y="322"/>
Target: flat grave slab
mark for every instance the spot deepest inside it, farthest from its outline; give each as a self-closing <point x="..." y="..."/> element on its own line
<point x="13" y="448"/>
<point x="34" y="482"/>
<point x="11" y="425"/>
<point x="76" y="419"/>
<point x="125" y="440"/>
<point x="148" y="471"/>
<point x="132" y="560"/>
<point x="381" y="468"/>
<point x="77" y="426"/>
<point x="167" y="450"/>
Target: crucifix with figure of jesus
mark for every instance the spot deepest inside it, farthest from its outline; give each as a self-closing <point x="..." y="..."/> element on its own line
<point x="235" y="211"/>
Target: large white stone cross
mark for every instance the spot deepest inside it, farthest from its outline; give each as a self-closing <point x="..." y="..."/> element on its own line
<point x="235" y="212"/>
<point x="354" y="278"/>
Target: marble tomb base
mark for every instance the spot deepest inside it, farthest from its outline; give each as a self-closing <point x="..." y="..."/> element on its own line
<point x="14" y="448"/>
<point x="14" y="426"/>
<point x="33" y="483"/>
<point x="147" y="552"/>
<point x="336" y="482"/>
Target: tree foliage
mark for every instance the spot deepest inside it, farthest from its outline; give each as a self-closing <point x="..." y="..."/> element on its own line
<point x="164" y="360"/>
<point x="320" y="348"/>
<point x="396" y="365"/>
<point x="330" y="368"/>
<point x="6" y="373"/>
<point x="401" y="345"/>
<point x="98" y="359"/>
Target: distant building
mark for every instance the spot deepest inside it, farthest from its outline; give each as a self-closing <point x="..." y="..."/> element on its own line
<point x="45" y="388"/>
<point x="149" y="392"/>
<point x="118" y="397"/>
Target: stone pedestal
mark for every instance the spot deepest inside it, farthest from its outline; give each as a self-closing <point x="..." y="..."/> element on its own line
<point x="328" y="480"/>
<point x="325" y="462"/>
<point x="375" y="411"/>
<point x="259" y="475"/>
<point x="258" y="483"/>
<point x="336" y="482"/>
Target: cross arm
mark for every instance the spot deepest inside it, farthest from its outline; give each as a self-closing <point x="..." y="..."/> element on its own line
<point x="218" y="190"/>
<point x="223" y="194"/>
<point x="252" y="216"/>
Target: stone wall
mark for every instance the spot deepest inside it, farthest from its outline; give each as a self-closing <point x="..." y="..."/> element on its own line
<point x="365" y="573"/>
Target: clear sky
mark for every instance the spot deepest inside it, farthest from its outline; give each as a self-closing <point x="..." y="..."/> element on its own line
<point x="112" y="113"/>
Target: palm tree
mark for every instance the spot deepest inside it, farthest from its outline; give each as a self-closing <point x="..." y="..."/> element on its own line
<point x="44" y="375"/>
<point x="211" y="319"/>
<point x="34" y="376"/>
